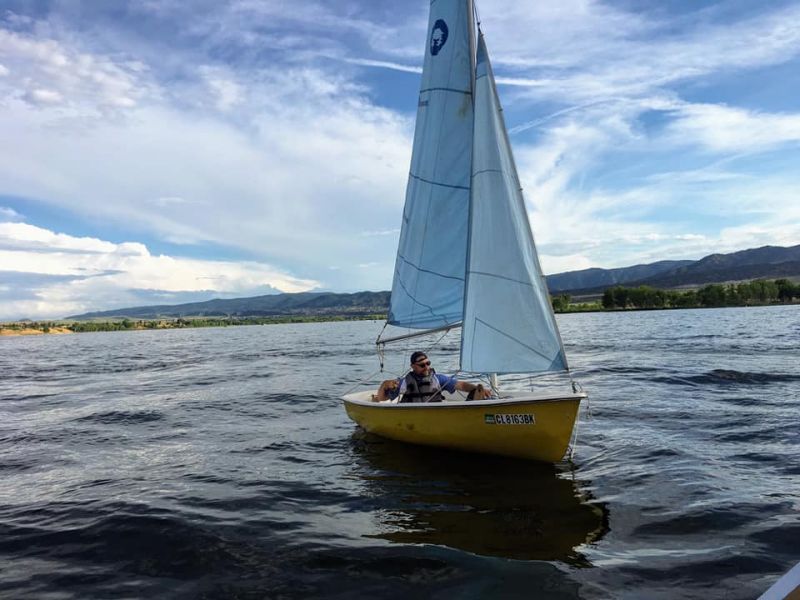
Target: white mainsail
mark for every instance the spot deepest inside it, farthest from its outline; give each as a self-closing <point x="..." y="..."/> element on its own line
<point x="508" y="324"/>
<point x="466" y="252"/>
<point x="428" y="287"/>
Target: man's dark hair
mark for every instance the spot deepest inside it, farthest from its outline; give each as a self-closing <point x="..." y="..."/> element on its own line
<point x="417" y="355"/>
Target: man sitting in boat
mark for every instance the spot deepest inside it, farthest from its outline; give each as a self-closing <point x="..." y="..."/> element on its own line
<point x="423" y="384"/>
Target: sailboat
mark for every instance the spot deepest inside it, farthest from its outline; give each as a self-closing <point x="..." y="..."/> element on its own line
<point x="466" y="258"/>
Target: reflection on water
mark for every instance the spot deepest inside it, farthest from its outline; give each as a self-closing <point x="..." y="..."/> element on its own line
<point x="487" y="505"/>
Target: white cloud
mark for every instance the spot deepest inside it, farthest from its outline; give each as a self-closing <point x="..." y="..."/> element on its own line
<point x="312" y="165"/>
<point x="82" y="274"/>
<point x="21" y="236"/>
<point x="49" y="72"/>
<point x="9" y="214"/>
<point x="617" y="229"/>
<point x="617" y="226"/>
<point x="42" y="97"/>
<point x="560" y="264"/>
<point x="365" y="62"/>
<point x="589" y="50"/>
<point x="729" y="129"/>
<point x="227" y="93"/>
<point x="169" y="201"/>
<point x="381" y="232"/>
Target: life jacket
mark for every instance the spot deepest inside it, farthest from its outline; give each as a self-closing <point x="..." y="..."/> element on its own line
<point x="424" y="389"/>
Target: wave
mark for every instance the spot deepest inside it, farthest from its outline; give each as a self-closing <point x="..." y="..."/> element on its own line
<point x="712" y="519"/>
<point x="135" y="539"/>
<point x="121" y="417"/>
<point x="624" y="370"/>
<point x="726" y="376"/>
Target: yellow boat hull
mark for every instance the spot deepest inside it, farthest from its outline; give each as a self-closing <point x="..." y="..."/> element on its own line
<point x="518" y="425"/>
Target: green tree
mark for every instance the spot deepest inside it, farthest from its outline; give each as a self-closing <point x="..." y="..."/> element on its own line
<point x="711" y="295"/>
<point x="787" y="291"/>
<point x="608" y="299"/>
<point x="561" y="302"/>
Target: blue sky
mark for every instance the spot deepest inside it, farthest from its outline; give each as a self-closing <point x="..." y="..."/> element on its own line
<point x="159" y="151"/>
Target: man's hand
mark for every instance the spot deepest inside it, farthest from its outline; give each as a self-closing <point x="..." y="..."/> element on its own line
<point x="481" y="393"/>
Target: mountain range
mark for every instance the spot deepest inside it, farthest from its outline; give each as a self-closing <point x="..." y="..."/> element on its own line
<point x="359" y="304"/>
<point x="765" y="262"/>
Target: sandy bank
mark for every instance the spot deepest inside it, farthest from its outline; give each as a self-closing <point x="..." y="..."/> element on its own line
<point x="31" y="331"/>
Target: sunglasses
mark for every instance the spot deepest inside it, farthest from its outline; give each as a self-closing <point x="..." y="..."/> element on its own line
<point x="423" y="363"/>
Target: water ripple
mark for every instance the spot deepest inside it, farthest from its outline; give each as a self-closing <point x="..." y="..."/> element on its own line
<point x="220" y="463"/>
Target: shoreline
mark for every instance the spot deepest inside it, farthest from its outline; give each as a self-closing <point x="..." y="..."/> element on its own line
<point x="665" y="308"/>
<point x="17" y="329"/>
<point x="59" y="327"/>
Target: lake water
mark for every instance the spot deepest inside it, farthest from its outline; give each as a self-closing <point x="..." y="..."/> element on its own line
<point x="207" y="463"/>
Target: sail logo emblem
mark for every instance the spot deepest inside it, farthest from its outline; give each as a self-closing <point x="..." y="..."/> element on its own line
<point x="438" y="36"/>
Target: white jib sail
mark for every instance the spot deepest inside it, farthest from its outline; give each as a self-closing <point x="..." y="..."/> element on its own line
<point x="508" y="323"/>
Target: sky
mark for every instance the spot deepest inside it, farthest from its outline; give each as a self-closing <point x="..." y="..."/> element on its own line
<point x="163" y="151"/>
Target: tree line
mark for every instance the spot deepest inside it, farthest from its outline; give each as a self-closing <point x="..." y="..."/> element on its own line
<point x="758" y="292"/>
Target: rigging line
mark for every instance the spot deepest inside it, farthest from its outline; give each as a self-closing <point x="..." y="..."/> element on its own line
<point x="426" y="351"/>
<point x="428" y="271"/>
<point x="476" y="173"/>
<point x="398" y="280"/>
<point x="441" y="337"/>
<point x="381" y="347"/>
<point x="361" y="382"/>
<point x="407" y="371"/>
<point x="445" y="89"/>
<point x="385" y="325"/>
<point x="574" y="443"/>
<point x="416" y="302"/>
<point x="511" y="337"/>
<point x="514" y="179"/>
<point x="447" y="185"/>
<point x="381" y="355"/>
<point x="502" y="277"/>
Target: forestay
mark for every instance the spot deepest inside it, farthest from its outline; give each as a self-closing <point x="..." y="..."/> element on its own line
<point x="508" y="324"/>
<point x="428" y="286"/>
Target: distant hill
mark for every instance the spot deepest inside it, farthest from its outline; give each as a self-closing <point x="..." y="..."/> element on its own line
<point x="304" y="303"/>
<point x="759" y="263"/>
<point x="588" y="279"/>
<point x="768" y="262"/>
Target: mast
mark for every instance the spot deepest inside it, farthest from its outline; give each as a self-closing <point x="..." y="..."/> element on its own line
<point x="474" y="59"/>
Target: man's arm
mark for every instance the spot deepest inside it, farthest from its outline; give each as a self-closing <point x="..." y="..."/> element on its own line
<point x="466" y="386"/>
